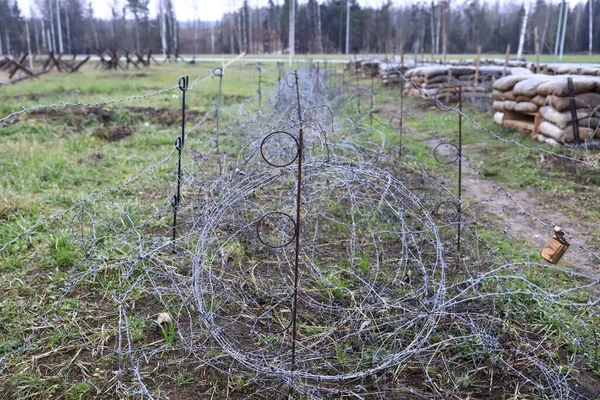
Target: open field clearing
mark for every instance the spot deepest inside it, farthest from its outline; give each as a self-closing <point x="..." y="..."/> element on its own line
<point x="320" y="251"/>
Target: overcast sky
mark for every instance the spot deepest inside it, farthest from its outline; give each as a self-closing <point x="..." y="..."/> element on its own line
<point x="210" y="10"/>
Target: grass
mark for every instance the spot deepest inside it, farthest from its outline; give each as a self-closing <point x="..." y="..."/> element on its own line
<point x="51" y="161"/>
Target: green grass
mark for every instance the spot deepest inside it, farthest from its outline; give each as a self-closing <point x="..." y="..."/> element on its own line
<point x="51" y="161"/>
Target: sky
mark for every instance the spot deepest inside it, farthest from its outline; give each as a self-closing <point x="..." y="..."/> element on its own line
<point x="209" y="10"/>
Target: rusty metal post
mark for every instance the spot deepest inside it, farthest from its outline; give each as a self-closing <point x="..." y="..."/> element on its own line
<point x="458" y="150"/>
<point x="459" y="166"/>
<point x="401" y="116"/>
<point x="357" y="90"/>
<point x="298" y="200"/>
<point x="259" y="92"/>
<point x="299" y="141"/>
<point x="318" y="83"/>
<point x="372" y="97"/>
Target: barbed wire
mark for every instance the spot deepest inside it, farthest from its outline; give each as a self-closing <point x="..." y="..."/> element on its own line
<point x="382" y="292"/>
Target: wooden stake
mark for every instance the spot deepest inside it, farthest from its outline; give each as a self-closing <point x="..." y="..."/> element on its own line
<point x="477" y="61"/>
<point x="445" y="43"/>
<point x="417" y="52"/>
<point x="506" y="60"/>
<point x="537" y="51"/>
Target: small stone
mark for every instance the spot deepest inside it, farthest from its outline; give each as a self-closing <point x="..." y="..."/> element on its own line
<point x="164" y="318"/>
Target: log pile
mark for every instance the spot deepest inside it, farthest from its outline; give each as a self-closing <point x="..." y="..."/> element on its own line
<point x="541" y="106"/>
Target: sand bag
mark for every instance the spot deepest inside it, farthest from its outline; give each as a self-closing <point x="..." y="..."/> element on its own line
<point x="551" y="130"/>
<point x="526" y="108"/>
<point x="559" y="87"/>
<point x="498" y="95"/>
<point x="528" y="87"/>
<point x="585" y="100"/>
<point x="508" y="82"/>
<point x="510" y="105"/>
<point x="539" y="100"/>
<point x="498" y="117"/>
<point x="562" y="119"/>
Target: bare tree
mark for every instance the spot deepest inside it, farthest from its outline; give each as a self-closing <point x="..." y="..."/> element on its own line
<point x="558" y="26"/>
<point x="564" y="29"/>
<point x="58" y="26"/>
<point x="319" y="33"/>
<point x="163" y="27"/>
<point x="591" y="28"/>
<point x="292" y="35"/>
<point x="523" y="31"/>
<point x="347" y="27"/>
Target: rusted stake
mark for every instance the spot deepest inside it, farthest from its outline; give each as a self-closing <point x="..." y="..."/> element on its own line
<point x="459" y="167"/>
<point x="401" y="116"/>
<point x="299" y="142"/>
<point x="297" y="249"/>
<point x="477" y="64"/>
<point x="573" y="110"/>
<point x="219" y="73"/>
<point x="372" y="97"/>
<point x="318" y="84"/>
<point x="179" y="143"/>
<point x="259" y="92"/>
<point x="357" y="90"/>
<point x="506" y="60"/>
<point x="458" y="150"/>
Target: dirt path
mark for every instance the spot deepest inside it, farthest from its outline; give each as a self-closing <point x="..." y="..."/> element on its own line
<point x="513" y="210"/>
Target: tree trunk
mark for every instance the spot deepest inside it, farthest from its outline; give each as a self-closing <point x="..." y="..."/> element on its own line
<point x="212" y="39"/>
<point x="163" y="28"/>
<point x="292" y="34"/>
<point x="1" y="52"/>
<point x="49" y="36"/>
<point x="59" y="28"/>
<point x="28" y="45"/>
<point x="37" y="37"/>
<point x="137" y="33"/>
<point x="347" y="26"/>
<point x="523" y="31"/>
<point x="231" y="30"/>
<point x="7" y="43"/>
<point x="319" y="33"/>
<point x="196" y="29"/>
<point x="69" y="49"/>
<point x="249" y="45"/>
<point x="95" y="34"/>
<point x="242" y="31"/>
<point x="432" y="29"/>
<point x="174" y="31"/>
<point x="564" y="30"/>
<point x="439" y="23"/>
<point x="591" y="28"/>
<point x="53" y="44"/>
<point x="543" y="38"/>
<point x="558" y="26"/>
<point x="44" y="45"/>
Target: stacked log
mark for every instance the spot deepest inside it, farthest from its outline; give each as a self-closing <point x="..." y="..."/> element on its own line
<point x="540" y="106"/>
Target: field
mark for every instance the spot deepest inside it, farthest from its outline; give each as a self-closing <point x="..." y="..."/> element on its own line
<point x="99" y="302"/>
